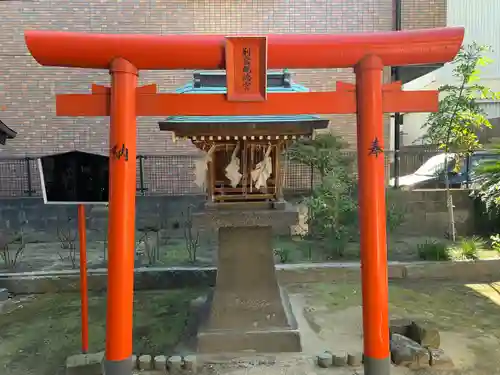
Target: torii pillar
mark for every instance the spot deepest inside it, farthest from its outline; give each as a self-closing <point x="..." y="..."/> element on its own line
<point x="125" y="55"/>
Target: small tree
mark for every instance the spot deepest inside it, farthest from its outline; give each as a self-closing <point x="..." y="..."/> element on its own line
<point x="332" y="205"/>
<point x="460" y="117"/>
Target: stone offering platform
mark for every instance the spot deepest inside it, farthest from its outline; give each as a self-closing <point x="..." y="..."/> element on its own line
<point x="248" y="311"/>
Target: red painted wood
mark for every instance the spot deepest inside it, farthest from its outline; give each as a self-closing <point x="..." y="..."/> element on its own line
<point x="246" y="69"/>
<point x="337" y="102"/>
<point x="293" y="51"/>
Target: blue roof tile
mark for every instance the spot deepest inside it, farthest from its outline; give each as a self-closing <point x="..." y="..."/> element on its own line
<point x="191" y="89"/>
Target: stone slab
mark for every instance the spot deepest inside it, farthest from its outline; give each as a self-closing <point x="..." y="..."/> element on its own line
<point x="4" y="294"/>
<point x="85" y="364"/>
<point x="325" y="360"/>
<point x="268" y="341"/>
<point x="216" y="219"/>
<point x="145" y="362"/>
<point x="160" y="363"/>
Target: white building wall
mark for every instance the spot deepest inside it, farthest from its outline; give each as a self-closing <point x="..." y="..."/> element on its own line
<point x="481" y="19"/>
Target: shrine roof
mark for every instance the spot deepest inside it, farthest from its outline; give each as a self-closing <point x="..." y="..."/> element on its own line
<point x="241" y="119"/>
<point x="215" y="83"/>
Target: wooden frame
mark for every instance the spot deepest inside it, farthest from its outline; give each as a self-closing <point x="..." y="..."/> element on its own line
<point x="244" y="191"/>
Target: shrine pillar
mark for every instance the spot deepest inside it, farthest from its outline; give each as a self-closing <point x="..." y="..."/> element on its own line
<point x="121" y="225"/>
<point x="372" y="215"/>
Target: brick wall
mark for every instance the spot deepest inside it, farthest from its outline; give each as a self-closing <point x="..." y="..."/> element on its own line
<point x="418" y="14"/>
<point x="27" y="90"/>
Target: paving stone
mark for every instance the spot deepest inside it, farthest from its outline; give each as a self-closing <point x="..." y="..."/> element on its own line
<point x="85" y="364"/>
<point x="354" y="359"/>
<point x="4" y="306"/>
<point x="399" y="326"/>
<point x="421" y="362"/>
<point x="4" y="294"/>
<point x="145" y="362"/>
<point x="160" y="363"/>
<point x="198" y="302"/>
<point x="340" y="359"/>
<point x="133" y="361"/>
<point x="189" y="363"/>
<point x="324" y="360"/>
<point x="174" y="365"/>
<point x="426" y="336"/>
<point x="439" y="360"/>
<point x="406" y="352"/>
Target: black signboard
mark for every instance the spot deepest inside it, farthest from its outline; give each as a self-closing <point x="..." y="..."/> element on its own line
<point x="74" y="178"/>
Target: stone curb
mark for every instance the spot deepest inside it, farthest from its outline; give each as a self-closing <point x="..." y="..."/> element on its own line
<point x="156" y="278"/>
<point x="92" y="364"/>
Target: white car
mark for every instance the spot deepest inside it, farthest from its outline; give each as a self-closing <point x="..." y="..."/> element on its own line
<point x="429" y="172"/>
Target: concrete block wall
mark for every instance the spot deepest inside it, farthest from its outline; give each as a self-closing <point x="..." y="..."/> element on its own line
<point x="44" y="220"/>
<point x="427" y="213"/>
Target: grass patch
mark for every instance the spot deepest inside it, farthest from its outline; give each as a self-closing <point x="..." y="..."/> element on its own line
<point x="174" y="253"/>
<point x="38" y="337"/>
<point x="294" y="249"/>
<point x="453" y="307"/>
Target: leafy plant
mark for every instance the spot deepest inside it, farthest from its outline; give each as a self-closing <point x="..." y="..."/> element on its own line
<point x="332" y="205"/>
<point x="468" y="248"/>
<point x="67" y="240"/>
<point x="396" y="213"/>
<point x="150" y="241"/>
<point x="283" y="253"/>
<point x="433" y="250"/>
<point x="486" y="182"/>
<point x="460" y="117"/>
<point x="12" y="249"/>
<point x="192" y="241"/>
<point x="324" y="153"/>
<point x="495" y="242"/>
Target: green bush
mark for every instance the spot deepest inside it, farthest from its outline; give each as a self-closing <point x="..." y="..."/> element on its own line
<point x="468" y="248"/>
<point x="283" y="253"/>
<point x="433" y="250"/>
<point x="396" y="212"/>
<point x="333" y="204"/>
<point x="495" y="242"/>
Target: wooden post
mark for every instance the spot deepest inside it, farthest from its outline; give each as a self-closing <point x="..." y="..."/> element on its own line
<point x="372" y="216"/>
<point x="82" y="234"/>
<point x="121" y="227"/>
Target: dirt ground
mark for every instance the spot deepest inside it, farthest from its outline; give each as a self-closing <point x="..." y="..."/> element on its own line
<point x="40" y="332"/>
<point x="49" y="256"/>
<point x="468" y="317"/>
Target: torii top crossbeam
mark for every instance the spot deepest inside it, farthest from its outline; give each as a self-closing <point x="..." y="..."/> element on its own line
<point x="294" y="51"/>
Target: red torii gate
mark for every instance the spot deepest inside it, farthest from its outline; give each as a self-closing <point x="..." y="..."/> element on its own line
<point x="125" y="55"/>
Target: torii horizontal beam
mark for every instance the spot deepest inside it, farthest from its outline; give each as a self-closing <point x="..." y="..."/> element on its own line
<point x="294" y="51"/>
<point x="149" y="103"/>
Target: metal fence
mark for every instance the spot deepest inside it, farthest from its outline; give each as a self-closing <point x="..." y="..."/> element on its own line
<point x="173" y="174"/>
